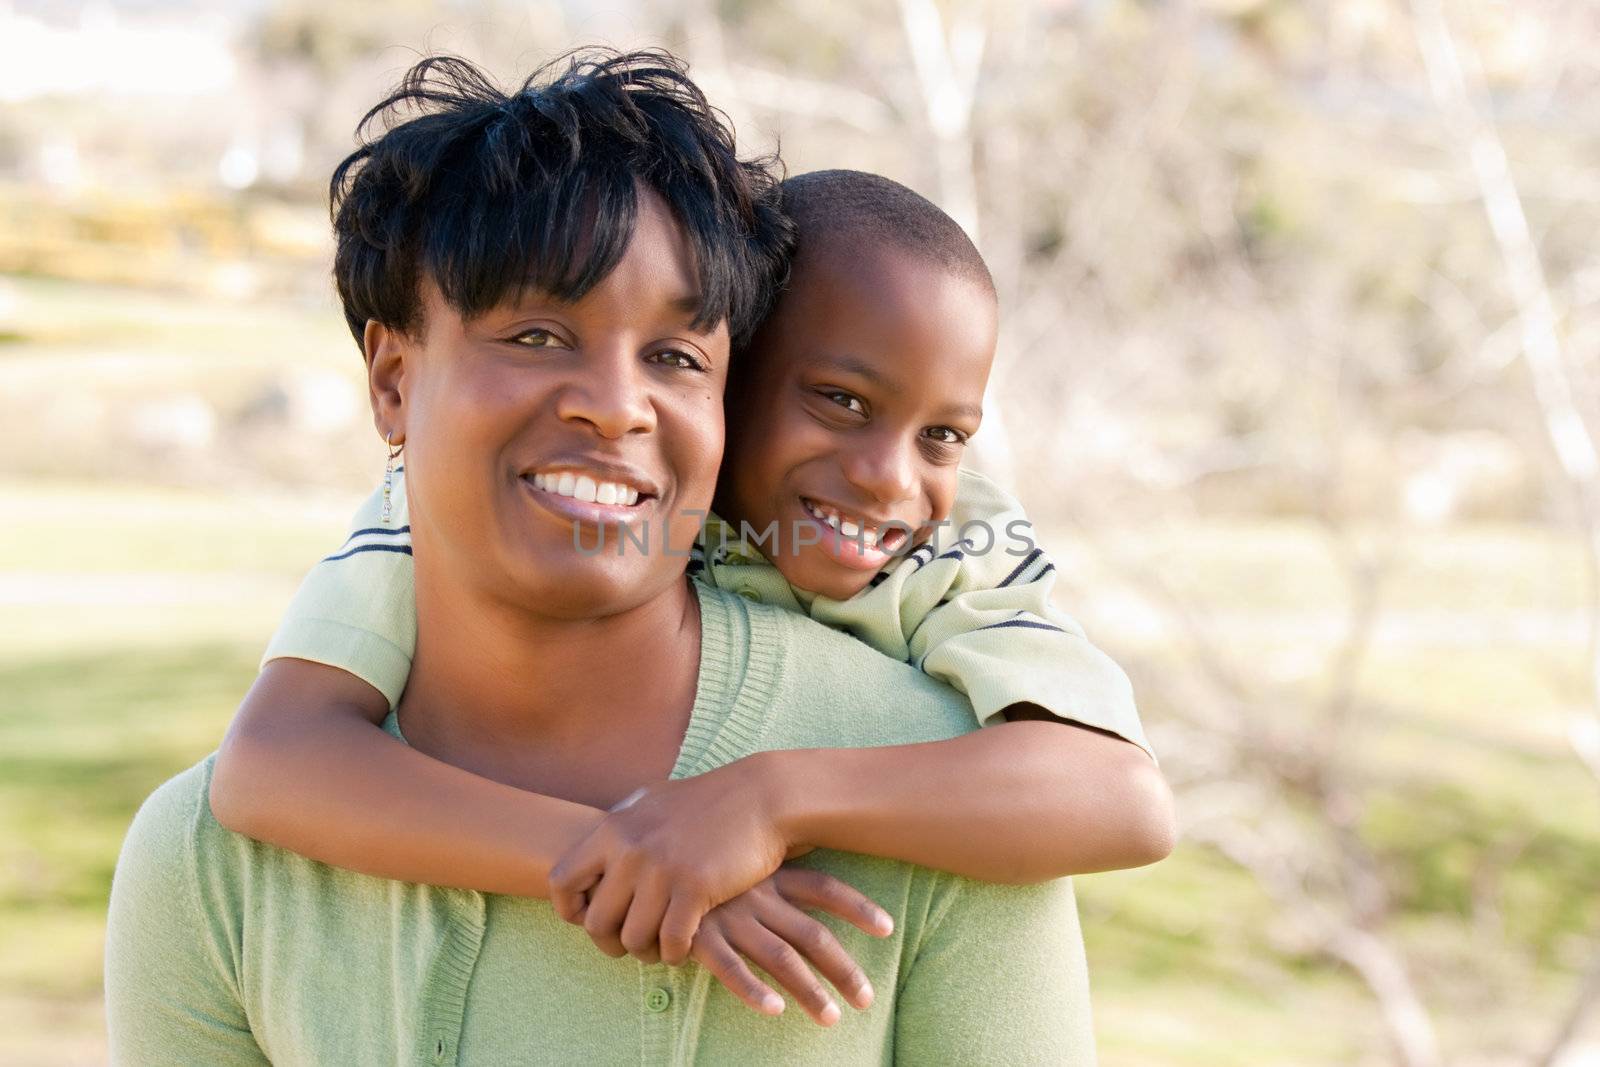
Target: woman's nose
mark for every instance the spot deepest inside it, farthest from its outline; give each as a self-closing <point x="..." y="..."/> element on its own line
<point x="611" y="393"/>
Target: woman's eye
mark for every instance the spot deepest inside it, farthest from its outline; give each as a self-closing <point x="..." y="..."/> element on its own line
<point x="945" y="435"/>
<point x="674" y="358"/>
<point x="845" y="400"/>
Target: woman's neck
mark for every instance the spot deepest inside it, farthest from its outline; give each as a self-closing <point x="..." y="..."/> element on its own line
<point x="583" y="709"/>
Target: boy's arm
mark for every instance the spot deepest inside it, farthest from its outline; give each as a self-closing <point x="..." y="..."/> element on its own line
<point x="1021" y="802"/>
<point x="305" y="767"/>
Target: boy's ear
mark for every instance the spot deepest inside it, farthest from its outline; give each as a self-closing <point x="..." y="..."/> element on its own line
<point x="387" y="351"/>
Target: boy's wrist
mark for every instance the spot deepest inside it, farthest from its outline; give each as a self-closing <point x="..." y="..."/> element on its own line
<point x="792" y="784"/>
<point x="778" y="793"/>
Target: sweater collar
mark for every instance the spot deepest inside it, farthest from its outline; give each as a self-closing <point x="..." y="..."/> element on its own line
<point x="739" y="670"/>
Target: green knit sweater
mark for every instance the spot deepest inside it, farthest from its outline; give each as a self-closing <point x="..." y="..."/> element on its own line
<point x="223" y="950"/>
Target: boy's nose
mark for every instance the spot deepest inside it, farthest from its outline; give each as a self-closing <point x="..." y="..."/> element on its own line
<point x="611" y="393"/>
<point x="883" y="469"/>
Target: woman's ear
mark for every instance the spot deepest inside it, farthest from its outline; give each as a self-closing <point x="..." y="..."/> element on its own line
<point x="387" y="350"/>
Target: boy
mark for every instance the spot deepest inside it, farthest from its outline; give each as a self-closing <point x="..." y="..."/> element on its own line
<point x="847" y="418"/>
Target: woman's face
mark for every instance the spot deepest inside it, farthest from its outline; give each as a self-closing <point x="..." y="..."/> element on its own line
<point x="512" y="419"/>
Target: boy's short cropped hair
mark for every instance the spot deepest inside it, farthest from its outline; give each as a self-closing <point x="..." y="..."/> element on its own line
<point x="489" y="192"/>
<point x="851" y="212"/>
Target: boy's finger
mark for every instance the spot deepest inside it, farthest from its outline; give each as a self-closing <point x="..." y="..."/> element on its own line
<point x="714" y="953"/>
<point x="570" y="902"/>
<point x="642" y="927"/>
<point x="784" y="963"/>
<point x="678" y="928"/>
<point x="608" y="907"/>
<point x="818" y="945"/>
<point x="573" y="876"/>
<point x="814" y="889"/>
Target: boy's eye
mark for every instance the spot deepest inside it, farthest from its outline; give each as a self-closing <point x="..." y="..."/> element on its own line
<point x="674" y="357"/>
<point x="945" y="435"/>
<point x="846" y="400"/>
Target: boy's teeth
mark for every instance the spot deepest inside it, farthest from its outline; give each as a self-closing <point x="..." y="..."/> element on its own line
<point x="567" y="483"/>
<point x="870" y="535"/>
<point x="605" y="493"/>
<point x="584" y="489"/>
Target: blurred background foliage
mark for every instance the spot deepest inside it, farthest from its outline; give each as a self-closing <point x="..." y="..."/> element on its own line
<point x="1299" y="375"/>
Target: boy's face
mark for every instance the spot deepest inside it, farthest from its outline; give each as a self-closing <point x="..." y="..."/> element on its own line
<point x="852" y="409"/>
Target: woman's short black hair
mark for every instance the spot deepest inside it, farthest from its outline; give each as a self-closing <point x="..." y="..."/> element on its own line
<point x="489" y="192"/>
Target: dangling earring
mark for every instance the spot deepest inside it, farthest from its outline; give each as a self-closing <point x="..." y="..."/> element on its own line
<point x="388" y="475"/>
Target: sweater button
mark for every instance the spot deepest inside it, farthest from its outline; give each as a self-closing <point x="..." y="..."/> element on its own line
<point x="657" y="1000"/>
<point x="751" y="595"/>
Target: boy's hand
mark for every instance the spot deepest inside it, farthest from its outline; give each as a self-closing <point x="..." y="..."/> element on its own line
<point x="767" y="926"/>
<point x="643" y="879"/>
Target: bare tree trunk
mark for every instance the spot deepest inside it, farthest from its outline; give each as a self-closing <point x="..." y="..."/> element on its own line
<point x="947" y="61"/>
<point x="948" y="58"/>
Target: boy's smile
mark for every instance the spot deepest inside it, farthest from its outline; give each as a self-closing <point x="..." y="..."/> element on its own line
<point x="851" y="410"/>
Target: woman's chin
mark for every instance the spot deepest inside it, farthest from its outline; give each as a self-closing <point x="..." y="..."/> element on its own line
<point x="589" y="591"/>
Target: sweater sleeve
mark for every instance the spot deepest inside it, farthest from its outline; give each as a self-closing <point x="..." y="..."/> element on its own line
<point x="172" y="994"/>
<point x="998" y="977"/>
<point x="357" y="609"/>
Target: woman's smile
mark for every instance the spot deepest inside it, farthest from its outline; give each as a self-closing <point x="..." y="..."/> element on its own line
<point x="592" y="492"/>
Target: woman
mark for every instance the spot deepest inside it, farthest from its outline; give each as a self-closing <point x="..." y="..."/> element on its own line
<point x="223" y="950"/>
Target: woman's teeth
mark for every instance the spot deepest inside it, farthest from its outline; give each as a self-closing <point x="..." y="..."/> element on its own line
<point x="582" y="487"/>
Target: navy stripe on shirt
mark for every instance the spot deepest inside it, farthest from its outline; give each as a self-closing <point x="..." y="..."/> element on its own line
<point x="376" y="530"/>
<point x="1027" y="624"/>
<point x="1013" y="623"/>
<point x="1024" y="565"/>
<point x="915" y="560"/>
<point x="406" y="549"/>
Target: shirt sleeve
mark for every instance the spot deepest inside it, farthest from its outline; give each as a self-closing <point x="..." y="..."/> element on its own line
<point x="357" y="609"/>
<point x="172" y="991"/>
<point x="972" y="608"/>
<point x="998" y="977"/>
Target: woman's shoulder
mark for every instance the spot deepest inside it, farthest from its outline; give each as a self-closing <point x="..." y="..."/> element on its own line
<point x="831" y="689"/>
<point x="174" y="826"/>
